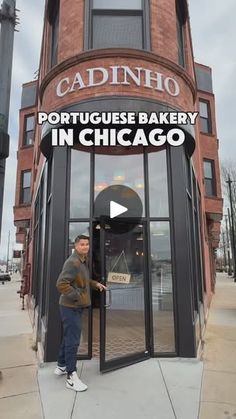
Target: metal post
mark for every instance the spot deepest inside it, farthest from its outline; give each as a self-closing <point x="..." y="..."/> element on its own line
<point x="7" y="27"/>
<point x="230" y="235"/>
<point x="8" y="244"/>
<point x="229" y="181"/>
<point x="228" y="248"/>
<point x="224" y="250"/>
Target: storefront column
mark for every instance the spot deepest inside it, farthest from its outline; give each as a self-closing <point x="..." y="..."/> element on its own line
<point x="56" y="251"/>
<point x="183" y="283"/>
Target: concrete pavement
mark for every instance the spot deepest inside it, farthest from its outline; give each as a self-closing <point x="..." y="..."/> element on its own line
<point x="218" y="398"/>
<point x="19" y="391"/>
<point x="156" y="388"/>
<point x="165" y="389"/>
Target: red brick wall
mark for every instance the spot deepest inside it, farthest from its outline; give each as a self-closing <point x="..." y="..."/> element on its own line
<point x="71" y="29"/>
<point x="25" y="162"/>
<point x="185" y="101"/>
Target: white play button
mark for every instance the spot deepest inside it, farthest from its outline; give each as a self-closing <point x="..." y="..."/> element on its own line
<point x="116" y="209"/>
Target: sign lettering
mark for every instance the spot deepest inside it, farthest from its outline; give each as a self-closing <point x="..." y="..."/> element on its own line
<point x="118" y="75"/>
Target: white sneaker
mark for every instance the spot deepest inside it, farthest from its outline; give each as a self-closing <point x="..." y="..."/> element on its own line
<point x="60" y="370"/>
<point x="74" y="383"/>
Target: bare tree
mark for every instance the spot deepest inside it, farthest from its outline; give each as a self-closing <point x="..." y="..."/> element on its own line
<point x="228" y="170"/>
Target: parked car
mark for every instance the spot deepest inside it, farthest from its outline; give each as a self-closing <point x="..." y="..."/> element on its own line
<point x="5" y="277"/>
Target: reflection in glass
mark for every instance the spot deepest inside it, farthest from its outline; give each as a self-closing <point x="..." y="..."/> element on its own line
<point x="80" y="184"/>
<point x="158" y="188"/>
<point x="119" y="170"/>
<point x="125" y="318"/>
<point x="162" y="289"/>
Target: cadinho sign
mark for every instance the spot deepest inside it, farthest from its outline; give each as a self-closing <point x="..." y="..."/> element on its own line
<point x="115" y="76"/>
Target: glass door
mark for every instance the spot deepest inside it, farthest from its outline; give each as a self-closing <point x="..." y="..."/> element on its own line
<point x="124" y="320"/>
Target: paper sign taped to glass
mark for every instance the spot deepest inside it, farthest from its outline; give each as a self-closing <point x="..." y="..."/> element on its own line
<point x="119" y="277"/>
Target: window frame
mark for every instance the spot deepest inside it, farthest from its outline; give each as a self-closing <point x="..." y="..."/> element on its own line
<point x="180" y="36"/>
<point x="212" y="179"/>
<point x="208" y="119"/>
<point x="53" y="20"/>
<point x="25" y="144"/>
<point x="144" y="13"/>
<point x="22" y="188"/>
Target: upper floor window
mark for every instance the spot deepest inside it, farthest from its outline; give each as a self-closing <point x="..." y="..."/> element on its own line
<point x="209" y="177"/>
<point x="29" y="130"/>
<point x="118" y="23"/>
<point x="205" y="117"/>
<point x="54" y="23"/>
<point x="25" y="187"/>
<point x="180" y="37"/>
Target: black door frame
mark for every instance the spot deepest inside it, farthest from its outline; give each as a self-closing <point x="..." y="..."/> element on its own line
<point x="58" y="250"/>
<point x="110" y="365"/>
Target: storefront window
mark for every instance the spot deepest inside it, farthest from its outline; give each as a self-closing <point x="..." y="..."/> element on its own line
<point x="80" y="184"/>
<point x="162" y="288"/>
<point x="158" y="188"/>
<point x="120" y="170"/>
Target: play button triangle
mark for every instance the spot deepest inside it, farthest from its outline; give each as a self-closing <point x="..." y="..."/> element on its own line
<point x="116" y="209"/>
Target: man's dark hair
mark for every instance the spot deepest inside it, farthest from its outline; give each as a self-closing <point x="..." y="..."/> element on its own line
<point x="81" y="237"/>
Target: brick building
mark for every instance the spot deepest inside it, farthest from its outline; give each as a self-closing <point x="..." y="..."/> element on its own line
<point x="130" y="56"/>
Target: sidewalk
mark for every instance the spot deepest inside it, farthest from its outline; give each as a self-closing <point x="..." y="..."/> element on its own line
<point x="156" y="388"/>
<point x="218" y="398"/>
<point x="19" y="391"/>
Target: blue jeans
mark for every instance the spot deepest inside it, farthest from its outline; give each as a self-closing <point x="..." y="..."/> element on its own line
<point x="72" y="325"/>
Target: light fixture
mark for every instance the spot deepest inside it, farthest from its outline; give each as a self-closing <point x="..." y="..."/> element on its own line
<point x="139" y="184"/>
<point x="100" y="186"/>
<point x="119" y="176"/>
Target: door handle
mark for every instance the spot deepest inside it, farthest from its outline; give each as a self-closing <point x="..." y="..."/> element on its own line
<point x="110" y="298"/>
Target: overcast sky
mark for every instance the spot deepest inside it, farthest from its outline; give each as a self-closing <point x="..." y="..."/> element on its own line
<point x="214" y="36"/>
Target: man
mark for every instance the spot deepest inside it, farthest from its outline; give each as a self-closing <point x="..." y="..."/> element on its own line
<point x="74" y="286"/>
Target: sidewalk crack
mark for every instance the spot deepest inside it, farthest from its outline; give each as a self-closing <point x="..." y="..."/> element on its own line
<point x="40" y="396"/>
<point x="18" y="366"/>
<point x="168" y="393"/>
<point x="200" y="393"/>
<point x="18" y="394"/>
<point x="76" y="394"/>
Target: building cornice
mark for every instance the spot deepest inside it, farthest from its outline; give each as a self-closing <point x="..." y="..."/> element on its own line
<point x="114" y="53"/>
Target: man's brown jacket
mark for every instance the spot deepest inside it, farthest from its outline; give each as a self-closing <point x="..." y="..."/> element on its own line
<point x="73" y="282"/>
